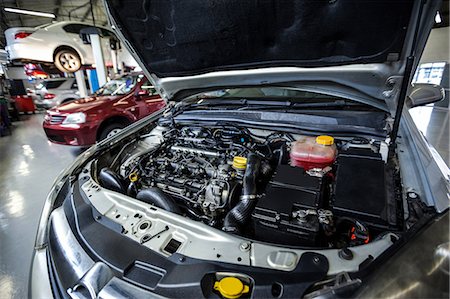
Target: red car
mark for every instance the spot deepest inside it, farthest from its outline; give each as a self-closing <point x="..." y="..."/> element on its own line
<point x="117" y="104"/>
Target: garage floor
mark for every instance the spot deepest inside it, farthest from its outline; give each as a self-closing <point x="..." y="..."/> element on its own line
<point x="29" y="163"/>
<point x="28" y="166"/>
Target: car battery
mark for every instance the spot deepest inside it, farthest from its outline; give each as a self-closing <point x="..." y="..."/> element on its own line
<point x="287" y="213"/>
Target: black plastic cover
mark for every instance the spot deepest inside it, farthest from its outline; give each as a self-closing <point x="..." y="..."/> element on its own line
<point x="290" y="190"/>
<point x="361" y="187"/>
<point x="186" y="37"/>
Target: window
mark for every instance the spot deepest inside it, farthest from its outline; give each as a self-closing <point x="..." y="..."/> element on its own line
<point x="75" y="85"/>
<point x="429" y="73"/>
<point x="53" y="84"/>
<point x="75" y="28"/>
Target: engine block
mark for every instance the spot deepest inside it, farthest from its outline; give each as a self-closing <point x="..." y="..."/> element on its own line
<point x="196" y="168"/>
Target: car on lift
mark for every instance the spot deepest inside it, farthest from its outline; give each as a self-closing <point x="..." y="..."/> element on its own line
<point x="286" y="164"/>
<point x="53" y="92"/>
<point x="59" y="44"/>
<point x="117" y="104"/>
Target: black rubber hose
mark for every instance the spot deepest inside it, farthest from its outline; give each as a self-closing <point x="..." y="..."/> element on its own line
<point x="111" y="180"/>
<point x="158" y="198"/>
<point x="132" y="189"/>
<point x="240" y="214"/>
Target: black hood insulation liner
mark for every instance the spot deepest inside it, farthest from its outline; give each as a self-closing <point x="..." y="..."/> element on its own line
<point x="187" y="37"/>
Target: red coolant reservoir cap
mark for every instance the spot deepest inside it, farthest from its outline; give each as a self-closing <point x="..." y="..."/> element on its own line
<point x="313" y="152"/>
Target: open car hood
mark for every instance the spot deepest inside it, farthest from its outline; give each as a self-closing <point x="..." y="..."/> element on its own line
<point x="346" y="48"/>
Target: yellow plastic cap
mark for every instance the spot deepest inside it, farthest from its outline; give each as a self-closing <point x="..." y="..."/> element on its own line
<point x="231" y="287"/>
<point x="239" y="163"/>
<point x="133" y="177"/>
<point x="325" y="140"/>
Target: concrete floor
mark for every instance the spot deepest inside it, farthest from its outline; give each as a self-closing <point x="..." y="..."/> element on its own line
<point x="29" y="164"/>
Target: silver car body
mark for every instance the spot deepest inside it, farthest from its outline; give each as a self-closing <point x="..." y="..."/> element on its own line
<point x="64" y="89"/>
<point x="41" y="45"/>
<point x="377" y="84"/>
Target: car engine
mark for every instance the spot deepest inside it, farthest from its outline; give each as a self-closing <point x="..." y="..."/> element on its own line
<point x="201" y="169"/>
<point x="250" y="182"/>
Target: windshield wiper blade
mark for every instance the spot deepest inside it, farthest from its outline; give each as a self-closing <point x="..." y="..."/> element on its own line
<point x="256" y="104"/>
<point x="334" y="104"/>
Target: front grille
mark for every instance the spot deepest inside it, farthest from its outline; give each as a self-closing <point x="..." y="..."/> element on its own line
<point x="56" y="119"/>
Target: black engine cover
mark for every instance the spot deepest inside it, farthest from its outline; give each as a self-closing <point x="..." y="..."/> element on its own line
<point x="290" y="190"/>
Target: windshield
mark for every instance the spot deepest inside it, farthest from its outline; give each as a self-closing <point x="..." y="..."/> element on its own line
<point x="270" y="97"/>
<point x="50" y="84"/>
<point x="119" y="86"/>
<point x="265" y="93"/>
<point x="53" y="84"/>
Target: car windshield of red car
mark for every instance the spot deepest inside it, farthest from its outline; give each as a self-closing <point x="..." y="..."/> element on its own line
<point x="119" y="86"/>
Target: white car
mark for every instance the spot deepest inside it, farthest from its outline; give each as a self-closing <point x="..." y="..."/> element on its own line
<point x="53" y="92"/>
<point x="59" y="44"/>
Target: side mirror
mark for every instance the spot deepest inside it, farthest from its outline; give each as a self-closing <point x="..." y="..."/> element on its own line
<point x="424" y="93"/>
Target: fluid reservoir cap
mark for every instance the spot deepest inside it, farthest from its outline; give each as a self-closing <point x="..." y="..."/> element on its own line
<point x="239" y="163"/>
<point x="325" y="140"/>
<point x="231" y="287"/>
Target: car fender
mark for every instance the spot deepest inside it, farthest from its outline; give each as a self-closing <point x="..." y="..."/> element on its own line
<point x="422" y="167"/>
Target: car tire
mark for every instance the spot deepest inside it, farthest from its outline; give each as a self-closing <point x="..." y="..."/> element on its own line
<point x="67" y="61"/>
<point x="110" y="130"/>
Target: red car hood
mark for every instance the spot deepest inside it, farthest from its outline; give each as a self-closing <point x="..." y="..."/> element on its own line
<point x="85" y="104"/>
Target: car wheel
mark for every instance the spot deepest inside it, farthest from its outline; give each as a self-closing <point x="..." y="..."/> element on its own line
<point x="111" y="130"/>
<point x="67" y="61"/>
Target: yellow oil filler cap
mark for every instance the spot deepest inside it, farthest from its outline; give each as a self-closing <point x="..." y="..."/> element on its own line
<point x="231" y="287"/>
<point x="324" y="140"/>
<point x="133" y="177"/>
<point x="239" y="163"/>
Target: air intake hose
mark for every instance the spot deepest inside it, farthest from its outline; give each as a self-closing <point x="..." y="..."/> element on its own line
<point x="240" y="214"/>
<point x="111" y="180"/>
<point x="158" y="198"/>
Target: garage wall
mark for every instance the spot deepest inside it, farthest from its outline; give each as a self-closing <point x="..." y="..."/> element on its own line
<point x="437" y="48"/>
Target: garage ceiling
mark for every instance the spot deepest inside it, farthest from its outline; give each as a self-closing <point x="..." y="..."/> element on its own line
<point x="80" y="10"/>
<point x="75" y="10"/>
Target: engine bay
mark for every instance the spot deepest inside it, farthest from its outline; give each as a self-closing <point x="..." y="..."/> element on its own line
<point x="272" y="187"/>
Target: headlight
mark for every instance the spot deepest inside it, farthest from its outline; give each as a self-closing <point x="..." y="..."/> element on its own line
<point x="75" y="118"/>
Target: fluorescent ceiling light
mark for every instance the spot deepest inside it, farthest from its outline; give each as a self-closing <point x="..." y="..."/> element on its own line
<point x="30" y="12"/>
<point x="437" y="18"/>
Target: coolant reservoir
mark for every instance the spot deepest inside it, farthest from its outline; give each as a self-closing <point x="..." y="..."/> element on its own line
<point x="313" y="152"/>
